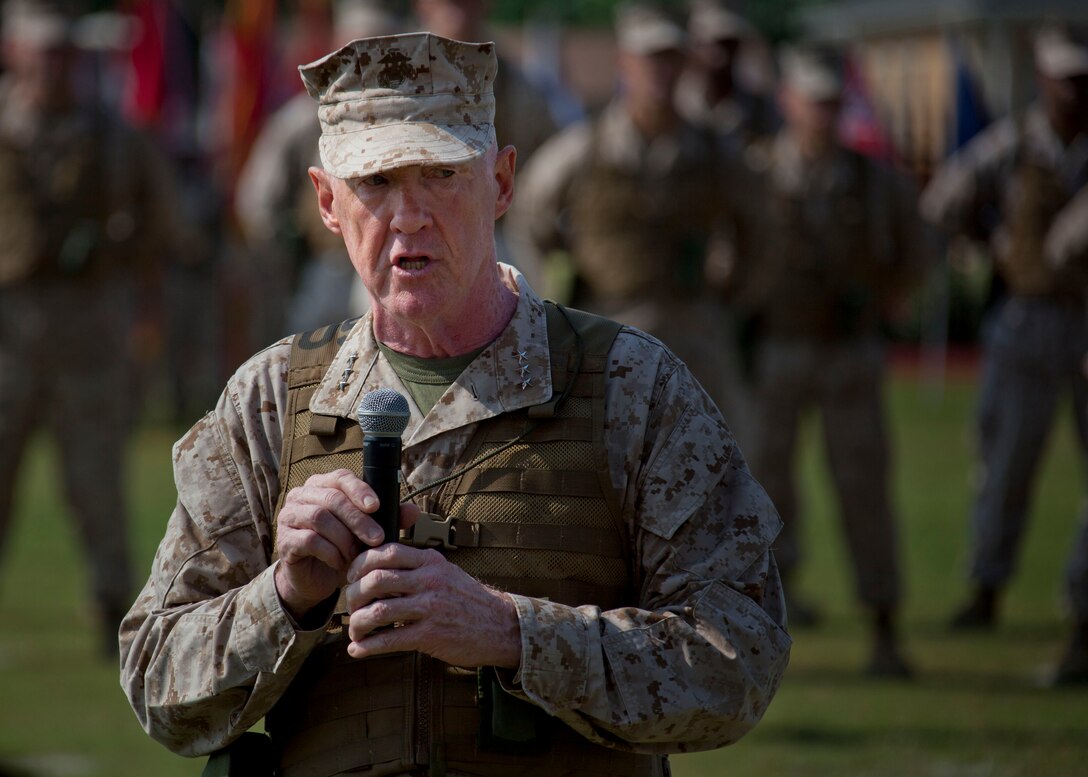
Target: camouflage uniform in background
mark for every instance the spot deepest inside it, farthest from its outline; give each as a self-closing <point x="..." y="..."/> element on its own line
<point x="1018" y="186"/>
<point x="208" y="649"/>
<point x="83" y="210"/>
<point x="637" y="218"/>
<point x="838" y="242"/>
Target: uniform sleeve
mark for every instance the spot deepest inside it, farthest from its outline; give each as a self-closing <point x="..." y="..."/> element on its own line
<point x="207" y="648"/>
<point x="964" y="197"/>
<point x="1066" y="245"/>
<point x="696" y="663"/>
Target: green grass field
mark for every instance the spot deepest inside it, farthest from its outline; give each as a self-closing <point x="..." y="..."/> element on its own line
<point x="976" y="708"/>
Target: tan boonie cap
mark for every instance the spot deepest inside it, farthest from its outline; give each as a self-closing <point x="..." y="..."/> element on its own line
<point x="648" y="29"/>
<point x="814" y="72"/>
<point x="402" y="100"/>
<point x="1059" y="54"/>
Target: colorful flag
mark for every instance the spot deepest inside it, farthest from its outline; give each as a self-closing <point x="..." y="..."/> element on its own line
<point x="860" y="129"/>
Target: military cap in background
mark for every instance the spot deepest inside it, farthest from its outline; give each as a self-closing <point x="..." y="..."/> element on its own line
<point x="37" y="23"/>
<point x="710" y="20"/>
<point x="646" y="28"/>
<point x="1060" y="53"/>
<point x="402" y="100"/>
<point x="814" y="72"/>
<point x="363" y="19"/>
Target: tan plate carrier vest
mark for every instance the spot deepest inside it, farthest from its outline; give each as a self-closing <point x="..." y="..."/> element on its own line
<point x="540" y="519"/>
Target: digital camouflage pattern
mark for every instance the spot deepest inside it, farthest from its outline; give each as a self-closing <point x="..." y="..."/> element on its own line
<point x="207" y="649"/>
<point x="402" y="100"/>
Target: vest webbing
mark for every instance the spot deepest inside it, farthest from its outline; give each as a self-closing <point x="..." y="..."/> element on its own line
<point x="653" y="227"/>
<point x="540" y="519"/>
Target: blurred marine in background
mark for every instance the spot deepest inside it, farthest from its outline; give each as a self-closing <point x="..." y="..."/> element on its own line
<point x="836" y="246"/>
<point x="85" y="216"/>
<point x="631" y="199"/>
<point x="1022" y="187"/>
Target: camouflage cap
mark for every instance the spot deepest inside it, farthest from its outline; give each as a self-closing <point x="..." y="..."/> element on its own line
<point x="37" y="23"/>
<point x="402" y="100"/>
<point x="814" y="72"/>
<point x="644" y="28"/>
<point x="710" y="20"/>
<point x="1061" y="54"/>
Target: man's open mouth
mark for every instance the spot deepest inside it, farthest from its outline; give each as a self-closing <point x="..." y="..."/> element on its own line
<point x="413" y="262"/>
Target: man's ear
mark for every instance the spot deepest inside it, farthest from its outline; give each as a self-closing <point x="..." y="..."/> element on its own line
<point x="323" y="185"/>
<point x="505" y="162"/>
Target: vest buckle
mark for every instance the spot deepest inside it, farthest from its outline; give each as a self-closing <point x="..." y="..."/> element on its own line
<point x="432" y="531"/>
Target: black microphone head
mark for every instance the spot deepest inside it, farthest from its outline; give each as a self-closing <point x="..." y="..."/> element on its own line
<point x="383" y="412"/>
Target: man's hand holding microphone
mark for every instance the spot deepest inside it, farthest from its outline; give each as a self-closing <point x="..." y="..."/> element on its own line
<point x="338" y="530"/>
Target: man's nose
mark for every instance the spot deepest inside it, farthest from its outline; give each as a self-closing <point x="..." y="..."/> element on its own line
<point x="410" y="211"/>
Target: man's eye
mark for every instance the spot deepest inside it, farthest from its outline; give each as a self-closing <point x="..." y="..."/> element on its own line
<point x="440" y="172"/>
<point x="374" y="180"/>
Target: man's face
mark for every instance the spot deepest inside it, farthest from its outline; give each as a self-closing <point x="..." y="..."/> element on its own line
<point x="456" y="19"/>
<point x="716" y="55"/>
<point x="1066" y="99"/>
<point x="814" y="120"/>
<point x="649" y="80"/>
<point x="422" y="237"/>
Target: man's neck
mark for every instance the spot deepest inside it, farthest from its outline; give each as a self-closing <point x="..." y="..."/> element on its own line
<point x="450" y="336"/>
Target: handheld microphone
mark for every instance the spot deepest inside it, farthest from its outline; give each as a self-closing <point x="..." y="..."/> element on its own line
<point x="383" y="416"/>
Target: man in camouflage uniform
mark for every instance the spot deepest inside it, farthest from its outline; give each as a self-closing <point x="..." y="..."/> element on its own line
<point x="709" y="92"/>
<point x="838" y="245"/>
<point x="634" y="196"/>
<point x="1022" y="185"/>
<point x="83" y="199"/>
<point x="606" y="554"/>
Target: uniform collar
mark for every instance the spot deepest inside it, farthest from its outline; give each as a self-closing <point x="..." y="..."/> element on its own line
<point x="511" y="373"/>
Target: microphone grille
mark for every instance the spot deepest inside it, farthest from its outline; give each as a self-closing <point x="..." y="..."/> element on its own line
<point x="383" y="412"/>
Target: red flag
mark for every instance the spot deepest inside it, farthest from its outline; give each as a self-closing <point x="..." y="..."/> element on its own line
<point x="860" y="129"/>
<point x="248" y="57"/>
<point x="146" y="79"/>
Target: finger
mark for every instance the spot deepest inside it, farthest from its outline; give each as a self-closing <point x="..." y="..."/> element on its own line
<point x="392" y="555"/>
<point x="304" y="545"/>
<point x="319" y="511"/>
<point x="324" y="521"/>
<point x="389" y="640"/>
<point x="365" y="502"/>
<point x="380" y="584"/>
<point x="347" y="498"/>
<point x="409" y="514"/>
<point x="370" y="624"/>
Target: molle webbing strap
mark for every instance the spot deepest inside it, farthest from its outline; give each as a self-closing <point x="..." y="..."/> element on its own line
<point x="311" y="355"/>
